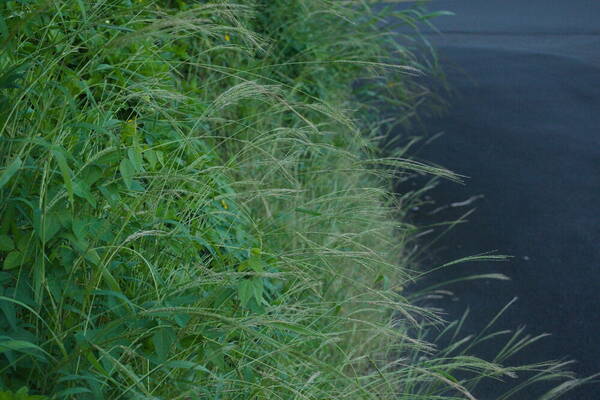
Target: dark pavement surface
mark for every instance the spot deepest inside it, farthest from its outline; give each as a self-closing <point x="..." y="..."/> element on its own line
<point x="524" y="126"/>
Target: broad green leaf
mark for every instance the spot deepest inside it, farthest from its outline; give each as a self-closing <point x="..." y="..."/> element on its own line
<point x="91" y="174"/>
<point x="117" y="295"/>
<point x="136" y="159"/>
<point x="13" y="260"/>
<point x="93" y="257"/>
<point x="94" y="361"/>
<point x="79" y="228"/>
<point x="46" y="224"/>
<point x="108" y="157"/>
<point x="65" y="170"/>
<point x="137" y="186"/>
<point x="163" y="339"/>
<point x="79" y="244"/>
<point x="129" y="130"/>
<point x="108" y="278"/>
<point x="9" y="78"/>
<point x="82" y="189"/>
<point x="111" y="194"/>
<point x="245" y="291"/>
<point x="10" y="171"/>
<point x="255" y="263"/>
<point x="258" y="289"/>
<point x="214" y="354"/>
<point x="151" y="157"/>
<point x="127" y="172"/>
<point x="6" y="243"/>
<point x="205" y="244"/>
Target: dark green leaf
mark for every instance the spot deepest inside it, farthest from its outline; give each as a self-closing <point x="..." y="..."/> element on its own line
<point x="257" y="290"/>
<point x="9" y="78"/>
<point x="245" y="291"/>
<point x="8" y="308"/>
<point x="163" y="339"/>
<point x="7" y="344"/>
<point x="82" y="189"/>
<point x="10" y="171"/>
<point x="13" y="260"/>
<point x="46" y="224"/>
<point x="6" y="243"/>
<point x="91" y="174"/>
<point x="65" y="170"/>
<point x="127" y="172"/>
<point x="67" y="393"/>
<point x="183" y="364"/>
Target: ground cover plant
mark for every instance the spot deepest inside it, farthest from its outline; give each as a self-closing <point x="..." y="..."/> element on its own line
<point x="193" y="206"/>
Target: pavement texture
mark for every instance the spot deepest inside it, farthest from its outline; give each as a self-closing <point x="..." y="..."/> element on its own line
<point x="524" y="126"/>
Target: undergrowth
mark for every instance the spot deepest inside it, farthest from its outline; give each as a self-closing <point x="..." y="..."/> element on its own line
<point x="193" y="206"/>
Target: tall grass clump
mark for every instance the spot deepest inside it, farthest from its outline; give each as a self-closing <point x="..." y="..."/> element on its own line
<point x="190" y="209"/>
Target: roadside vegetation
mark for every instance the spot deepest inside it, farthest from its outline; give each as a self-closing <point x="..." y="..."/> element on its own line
<point x="193" y="205"/>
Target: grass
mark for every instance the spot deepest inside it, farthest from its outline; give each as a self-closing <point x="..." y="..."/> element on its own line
<point x="193" y="206"/>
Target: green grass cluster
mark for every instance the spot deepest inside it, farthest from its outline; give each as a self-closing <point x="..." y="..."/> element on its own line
<point x="191" y="208"/>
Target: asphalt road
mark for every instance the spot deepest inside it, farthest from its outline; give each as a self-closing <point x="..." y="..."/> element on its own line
<point x="524" y="126"/>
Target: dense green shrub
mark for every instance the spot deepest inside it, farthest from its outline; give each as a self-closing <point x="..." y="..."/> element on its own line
<point x="189" y="210"/>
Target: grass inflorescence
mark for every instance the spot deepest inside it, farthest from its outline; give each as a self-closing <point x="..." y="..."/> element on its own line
<point x="191" y="207"/>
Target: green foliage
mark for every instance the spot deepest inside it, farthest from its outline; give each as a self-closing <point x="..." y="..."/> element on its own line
<point x="187" y="210"/>
<point x="21" y="394"/>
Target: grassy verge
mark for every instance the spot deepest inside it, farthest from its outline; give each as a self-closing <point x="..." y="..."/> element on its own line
<point x="190" y="208"/>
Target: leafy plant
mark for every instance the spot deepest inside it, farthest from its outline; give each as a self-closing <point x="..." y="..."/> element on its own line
<point x="189" y="209"/>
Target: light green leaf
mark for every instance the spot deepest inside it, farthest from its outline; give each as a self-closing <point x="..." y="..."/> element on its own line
<point x="258" y="289"/>
<point x="151" y="157"/>
<point x="161" y="157"/>
<point x="255" y="263"/>
<point x="135" y="157"/>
